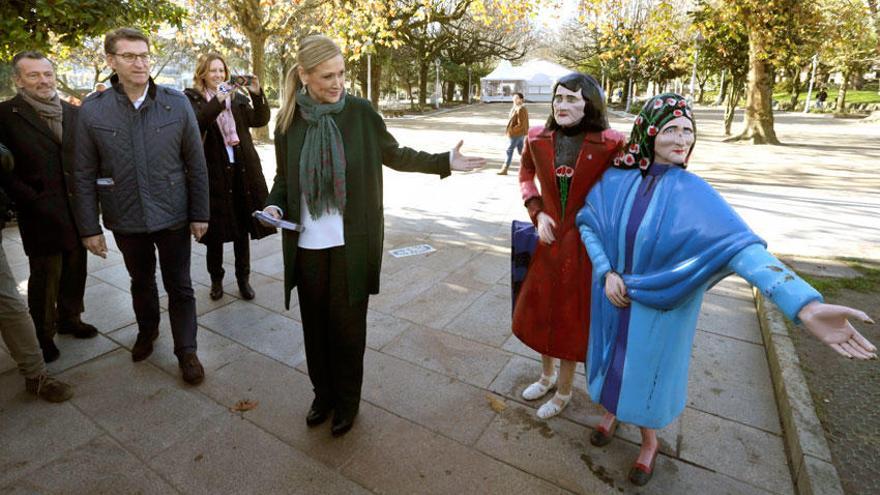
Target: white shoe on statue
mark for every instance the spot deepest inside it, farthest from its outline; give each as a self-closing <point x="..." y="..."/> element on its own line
<point x="539" y="388"/>
<point x="553" y="406"/>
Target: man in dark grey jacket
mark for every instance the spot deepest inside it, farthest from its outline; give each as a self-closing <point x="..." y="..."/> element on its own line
<point x="139" y="155"/>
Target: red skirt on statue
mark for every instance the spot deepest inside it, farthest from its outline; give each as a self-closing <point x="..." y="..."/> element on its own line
<point x="552" y="314"/>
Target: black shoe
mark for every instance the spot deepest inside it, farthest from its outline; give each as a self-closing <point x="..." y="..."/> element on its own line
<point x="77" y="328"/>
<point x="341" y="424"/>
<point x="317" y="415"/>
<point x="216" y="289"/>
<point x="191" y="368"/>
<point x="50" y="352"/>
<point x="143" y="346"/>
<point x="247" y="292"/>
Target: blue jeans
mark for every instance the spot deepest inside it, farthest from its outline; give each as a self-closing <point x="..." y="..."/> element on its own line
<point x="515" y="143"/>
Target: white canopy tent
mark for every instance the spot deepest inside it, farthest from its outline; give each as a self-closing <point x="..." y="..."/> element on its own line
<point x="534" y="79"/>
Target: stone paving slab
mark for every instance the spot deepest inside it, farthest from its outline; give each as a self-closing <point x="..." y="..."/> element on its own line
<point x="437" y="306"/>
<point x="438" y="402"/>
<point x="451" y="355"/>
<point x="76" y="351"/>
<point x="108" y="308"/>
<point x="33" y="432"/>
<point x="97" y="467"/>
<point x="730" y="378"/>
<point x="730" y="317"/>
<point x="143" y="408"/>
<point x="259" y="329"/>
<point x="225" y="454"/>
<point x="736" y="450"/>
<point x="487" y="320"/>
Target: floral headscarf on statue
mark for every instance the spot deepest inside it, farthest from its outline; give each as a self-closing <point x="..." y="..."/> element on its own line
<point x="639" y="151"/>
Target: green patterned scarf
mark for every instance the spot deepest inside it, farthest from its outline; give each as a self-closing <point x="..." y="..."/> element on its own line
<point x="322" y="161"/>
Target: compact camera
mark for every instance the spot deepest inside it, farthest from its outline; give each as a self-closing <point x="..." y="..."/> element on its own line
<point x="241" y="80"/>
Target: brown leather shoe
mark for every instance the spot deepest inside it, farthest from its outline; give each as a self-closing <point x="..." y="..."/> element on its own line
<point x="143" y="346"/>
<point x="48" y="388"/>
<point x="191" y="368"/>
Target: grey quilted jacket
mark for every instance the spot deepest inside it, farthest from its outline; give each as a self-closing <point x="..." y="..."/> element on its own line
<point x="145" y="166"/>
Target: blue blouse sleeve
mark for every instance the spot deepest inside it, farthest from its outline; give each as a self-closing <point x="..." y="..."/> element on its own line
<point x="775" y="280"/>
<point x="601" y="265"/>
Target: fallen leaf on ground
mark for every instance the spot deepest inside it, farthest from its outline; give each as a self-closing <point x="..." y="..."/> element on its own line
<point x="496" y="404"/>
<point x="244" y="405"/>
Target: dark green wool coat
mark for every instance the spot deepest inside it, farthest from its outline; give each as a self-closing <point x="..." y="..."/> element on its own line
<point x="368" y="145"/>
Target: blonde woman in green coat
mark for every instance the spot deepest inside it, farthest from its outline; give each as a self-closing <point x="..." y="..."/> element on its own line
<point x="330" y="148"/>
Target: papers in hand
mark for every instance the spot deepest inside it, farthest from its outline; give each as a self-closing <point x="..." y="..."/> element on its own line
<point x="276" y="222"/>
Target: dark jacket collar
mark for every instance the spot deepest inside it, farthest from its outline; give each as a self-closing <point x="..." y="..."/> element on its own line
<point x="21" y="107"/>
<point x="117" y="85"/>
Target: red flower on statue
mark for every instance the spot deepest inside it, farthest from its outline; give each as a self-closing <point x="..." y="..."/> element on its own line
<point x="629" y="159"/>
<point x="564" y="171"/>
<point x="658" y="103"/>
<point x="643" y="163"/>
<point x="634" y="148"/>
<point x="639" y="120"/>
<point x="677" y="113"/>
<point x="682" y="104"/>
<point x="652" y="131"/>
<point x="670" y="102"/>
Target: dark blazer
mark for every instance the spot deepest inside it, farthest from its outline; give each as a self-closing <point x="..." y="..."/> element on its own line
<point x="42" y="182"/>
<point x="368" y="145"/>
<point x="236" y="190"/>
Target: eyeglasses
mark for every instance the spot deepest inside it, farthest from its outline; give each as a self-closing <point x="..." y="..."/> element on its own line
<point x="129" y="58"/>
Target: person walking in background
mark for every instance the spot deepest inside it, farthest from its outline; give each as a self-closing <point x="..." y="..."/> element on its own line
<point x="330" y="147"/>
<point x="235" y="176"/>
<point x="16" y="326"/>
<point x="820" y="99"/>
<point x="140" y="155"/>
<point x="38" y="128"/>
<point x="517" y="128"/>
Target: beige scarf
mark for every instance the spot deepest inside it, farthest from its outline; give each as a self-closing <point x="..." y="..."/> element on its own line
<point x="49" y="110"/>
<point x="225" y="120"/>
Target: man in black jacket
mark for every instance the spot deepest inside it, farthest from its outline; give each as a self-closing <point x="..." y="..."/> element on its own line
<point x="140" y="155"/>
<point x="16" y="326"/>
<point x="37" y="127"/>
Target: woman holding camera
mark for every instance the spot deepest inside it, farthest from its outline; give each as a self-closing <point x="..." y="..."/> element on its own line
<point x="237" y="185"/>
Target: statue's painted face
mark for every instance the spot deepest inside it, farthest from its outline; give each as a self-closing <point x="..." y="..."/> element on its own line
<point x="568" y="106"/>
<point x="674" y="141"/>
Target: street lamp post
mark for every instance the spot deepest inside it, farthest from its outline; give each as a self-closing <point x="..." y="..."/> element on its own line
<point x="810" y="88"/>
<point x="629" y="90"/>
<point x="369" y="79"/>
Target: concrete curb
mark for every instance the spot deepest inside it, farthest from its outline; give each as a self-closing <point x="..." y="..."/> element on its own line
<point x="808" y="454"/>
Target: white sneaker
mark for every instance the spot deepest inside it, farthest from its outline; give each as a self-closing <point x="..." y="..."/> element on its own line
<point x="553" y="406"/>
<point x="539" y="388"/>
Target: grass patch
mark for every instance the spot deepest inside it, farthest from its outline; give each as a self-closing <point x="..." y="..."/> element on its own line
<point x="867" y="283"/>
<point x="852" y="96"/>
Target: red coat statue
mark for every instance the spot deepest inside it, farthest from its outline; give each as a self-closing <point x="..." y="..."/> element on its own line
<point x="552" y="314"/>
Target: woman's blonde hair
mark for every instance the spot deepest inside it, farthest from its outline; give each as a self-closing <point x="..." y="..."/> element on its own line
<point x="203" y="66"/>
<point x="313" y="50"/>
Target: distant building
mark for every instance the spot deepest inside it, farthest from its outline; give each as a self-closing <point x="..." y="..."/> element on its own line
<point x="534" y="79"/>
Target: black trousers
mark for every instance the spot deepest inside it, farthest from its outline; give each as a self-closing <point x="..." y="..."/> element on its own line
<point x="139" y="254"/>
<point x="56" y="287"/>
<point x="214" y="258"/>
<point x="335" y="330"/>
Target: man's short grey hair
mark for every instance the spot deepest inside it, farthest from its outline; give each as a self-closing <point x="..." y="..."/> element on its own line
<point x="31" y="54"/>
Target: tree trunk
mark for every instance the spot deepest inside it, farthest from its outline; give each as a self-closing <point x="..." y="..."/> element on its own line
<point x="258" y="65"/>
<point x="734" y="90"/>
<point x="759" y="96"/>
<point x="423" y="82"/>
<point x="722" y="92"/>
<point x="794" y="91"/>
<point x="450" y="91"/>
<point x="841" y="93"/>
<point x="376" y="76"/>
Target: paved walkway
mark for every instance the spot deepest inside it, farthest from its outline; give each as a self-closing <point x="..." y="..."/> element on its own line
<point x="441" y="410"/>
